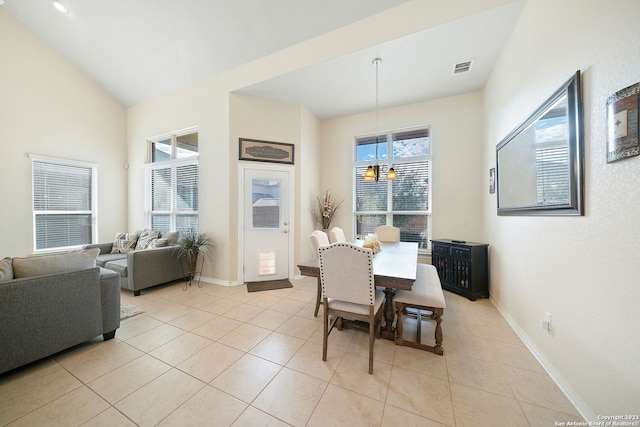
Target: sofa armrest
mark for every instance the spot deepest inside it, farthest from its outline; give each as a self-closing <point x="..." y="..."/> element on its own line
<point x="105" y="248"/>
<point x="151" y="267"/>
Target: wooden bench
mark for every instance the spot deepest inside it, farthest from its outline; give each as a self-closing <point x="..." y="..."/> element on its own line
<point x="425" y="296"/>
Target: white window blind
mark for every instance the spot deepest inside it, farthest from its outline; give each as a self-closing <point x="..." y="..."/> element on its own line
<point x="403" y="202"/>
<point x="64" y="208"/>
<point x="552" y="172"/>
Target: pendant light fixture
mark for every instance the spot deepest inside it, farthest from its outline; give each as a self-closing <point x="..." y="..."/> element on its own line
<point x="373" y="171"/>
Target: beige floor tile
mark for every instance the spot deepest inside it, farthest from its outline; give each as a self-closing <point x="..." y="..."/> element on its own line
<point x="477" y="373"/>
<point x="181" y="348"/>
<point x="473" y="407"/>
<point x="383" y="350"/>
<point x="309" y="361"/>
<point x="299" y="327"/>
<point x="29" y="388"/>
<point x="247" y="377"/>
<point x="171" y="312"/>
<point x="244" y="312"/>
<point x="136" y="326"/>
<point x="245" y="337"/>
<point x="543" y="417"/>
<point x="291" y="397"/>
<point x="74" y="408"/>
<point x="396" y="417"/>
<point x="208" y="407"/>
<point x="468" y="345"/>
<point x="288" y="306"/>
<point x="353" y="374"/>
<point x="278" y="348"/>
<point x="216" y="328"/>
<point x="253" y="417"/>
<point x="421" y="361"/>
<point x="269" y="319"/>
<point x="109" y="418"/>
<point x="221" y="306"/>
<point x="340" y="407"/>
<point x="121" y="382"/>
<point x="538" y="389"/>
<point x="210" y="362"/>
<point x="264" y="300"/>
<point x="304" y="296"/>
<point x="90" y="361"/>
<point x="420" y="394"/>
<point x="244" y="297"/>
<point x="156" y="337"/>
<point x="153" y="402"/>
<point x="192" y="319"/>
<point x="515" y="355"/>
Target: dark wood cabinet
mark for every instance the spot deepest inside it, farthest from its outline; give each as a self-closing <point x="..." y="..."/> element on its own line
<point x="462" y="267"/>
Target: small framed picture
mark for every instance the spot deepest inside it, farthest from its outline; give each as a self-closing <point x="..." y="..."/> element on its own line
<point x="492" y="180"/>
<point x="622" y="124"/>
<point x="266" y="151"/>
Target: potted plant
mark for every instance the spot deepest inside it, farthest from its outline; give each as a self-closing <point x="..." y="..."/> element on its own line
<point x="191" y="246"/>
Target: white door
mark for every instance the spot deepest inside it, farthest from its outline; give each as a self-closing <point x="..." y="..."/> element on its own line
<point x="266" y="224"/>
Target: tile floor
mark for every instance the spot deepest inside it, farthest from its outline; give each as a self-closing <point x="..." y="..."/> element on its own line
<point x="222" y="356"/>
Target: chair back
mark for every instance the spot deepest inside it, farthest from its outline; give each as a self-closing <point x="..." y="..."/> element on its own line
<point x="346" y="273"/>
<point x="336" y="235"/>
<point x="388" y="233"/>
<point x="318" y="238"/>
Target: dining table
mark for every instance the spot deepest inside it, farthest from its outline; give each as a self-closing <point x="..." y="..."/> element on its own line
<point x="394" y="267"/>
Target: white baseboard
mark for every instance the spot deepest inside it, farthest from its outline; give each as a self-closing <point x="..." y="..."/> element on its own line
<point x="568" y="391"/>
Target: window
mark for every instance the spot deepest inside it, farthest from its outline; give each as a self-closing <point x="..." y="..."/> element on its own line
<point x="171" y="183"/>
<point x="404" y="202"/>
<point x="64" y="203"/>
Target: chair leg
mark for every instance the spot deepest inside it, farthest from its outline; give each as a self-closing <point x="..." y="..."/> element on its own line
<point x="325" y="329"/>
<point x="318" y="298"/>
<point x="372" y="326"/>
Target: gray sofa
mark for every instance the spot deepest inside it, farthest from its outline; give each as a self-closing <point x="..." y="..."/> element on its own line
<point x="142" y="268"/>
<point x="54" y="302"/>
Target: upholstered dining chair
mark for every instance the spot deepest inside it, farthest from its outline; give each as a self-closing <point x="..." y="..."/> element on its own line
<point x="388" y="233"/>
<point x="318" y="238"/>
<point x="336" y="235"/>
<point x="349" y="291"/>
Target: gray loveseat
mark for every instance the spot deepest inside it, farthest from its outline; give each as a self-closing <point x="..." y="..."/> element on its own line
<point x="54" y="302"/>
<point x="143" y="267"/>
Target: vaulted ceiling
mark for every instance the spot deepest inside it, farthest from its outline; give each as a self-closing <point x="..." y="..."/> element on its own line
<point x="139" y="50"/>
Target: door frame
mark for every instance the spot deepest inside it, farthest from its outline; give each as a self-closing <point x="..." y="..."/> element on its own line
<point x="242" y="167"/>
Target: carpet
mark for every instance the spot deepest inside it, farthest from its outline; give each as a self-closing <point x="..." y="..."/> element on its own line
<point x="128" y="310"/>
<point x="268" y="285"/>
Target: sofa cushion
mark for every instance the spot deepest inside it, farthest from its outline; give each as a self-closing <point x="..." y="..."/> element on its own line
<point x="145" y="239"/>
<point x="159" y="243"/>
<point x="119" y="266"/>
<point x="105" y="258"/>
<point x="6" y="270"/>
<point x="58" y="263"/>
<point x="171" y="236"/>
<point x="124" y="243"/>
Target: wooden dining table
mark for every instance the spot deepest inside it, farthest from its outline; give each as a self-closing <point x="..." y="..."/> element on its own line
<point x="394" y="267"/>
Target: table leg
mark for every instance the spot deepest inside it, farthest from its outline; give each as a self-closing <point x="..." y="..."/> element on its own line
<point x="389" y="314"/>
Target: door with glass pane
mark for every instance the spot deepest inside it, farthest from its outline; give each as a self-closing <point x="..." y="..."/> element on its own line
<point x="266" y="225"/>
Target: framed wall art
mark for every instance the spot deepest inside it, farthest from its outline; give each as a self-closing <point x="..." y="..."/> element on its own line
<point x="492" y="180"/>
<point x="266" y="151"/>
<point x="622" y="124"/>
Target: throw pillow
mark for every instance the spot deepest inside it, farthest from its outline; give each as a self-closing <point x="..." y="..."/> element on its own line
<point x="158" y="243"/>
<point x="145" y="238"/>
<point x="6" y="270"/>
<point x="124" y="243"/>
<point x="172" y="237"/>
<point x="58" y="263"/>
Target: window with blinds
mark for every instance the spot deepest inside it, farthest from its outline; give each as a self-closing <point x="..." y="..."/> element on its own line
<point x="171" y="183"/>
<point x="64" y="203"/>
<point x="404" y="202"/>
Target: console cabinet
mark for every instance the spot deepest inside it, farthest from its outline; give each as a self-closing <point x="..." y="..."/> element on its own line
<point x="462" y="267"/>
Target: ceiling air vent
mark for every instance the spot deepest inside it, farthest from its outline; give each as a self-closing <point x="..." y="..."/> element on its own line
<point x="462" y="67"/>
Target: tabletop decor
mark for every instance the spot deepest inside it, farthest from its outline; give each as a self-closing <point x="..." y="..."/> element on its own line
<point x="372" y="242"/>
<point x="324" y="209"/>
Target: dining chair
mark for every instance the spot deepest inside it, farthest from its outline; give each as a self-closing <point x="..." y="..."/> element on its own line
<point x="318" y="238"/>
<point x="388" y="233"/>
<point x="349" y="291"/>
<point x="336" y="235"/>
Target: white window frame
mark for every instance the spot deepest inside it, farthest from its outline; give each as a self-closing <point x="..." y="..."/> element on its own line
<point x="173" y="164"/>
<point x="385" y="164"/>
<point x="94" y="200"/>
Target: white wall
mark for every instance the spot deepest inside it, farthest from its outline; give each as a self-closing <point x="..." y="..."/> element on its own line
<point x="583" y="270"/>
<point x="459" y="180"/>
<point x="48" y="107"/>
